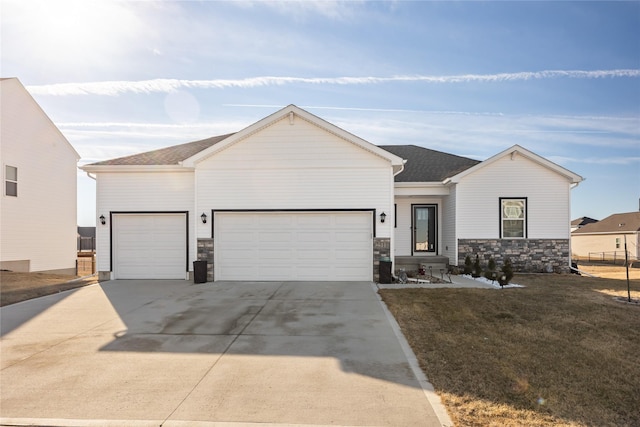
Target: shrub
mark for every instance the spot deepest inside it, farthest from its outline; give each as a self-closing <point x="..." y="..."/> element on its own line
<point x="507" y="273"/>
<point x="490" y="273"/>
<point x="468" y="265"/>
<point x="477" y="270"/>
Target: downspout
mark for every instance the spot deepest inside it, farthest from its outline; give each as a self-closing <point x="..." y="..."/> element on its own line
<point x="392" y="239"/>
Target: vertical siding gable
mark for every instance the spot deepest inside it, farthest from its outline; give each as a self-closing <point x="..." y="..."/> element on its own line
<point x="285" y="146"/>
<point x="299" y="166"/>
<point x="547" y="193"/>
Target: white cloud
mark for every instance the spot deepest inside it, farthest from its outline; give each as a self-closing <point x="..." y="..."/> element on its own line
<point x="115" y="88"/>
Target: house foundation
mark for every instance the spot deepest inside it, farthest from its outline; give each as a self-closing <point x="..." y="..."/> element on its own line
<point x="526" y="255"/>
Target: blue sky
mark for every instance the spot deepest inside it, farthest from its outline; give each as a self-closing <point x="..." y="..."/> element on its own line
<point x="473" y="78"/>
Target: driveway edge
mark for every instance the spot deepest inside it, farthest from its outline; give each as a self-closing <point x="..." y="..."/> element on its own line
<point x="427" y="387"/>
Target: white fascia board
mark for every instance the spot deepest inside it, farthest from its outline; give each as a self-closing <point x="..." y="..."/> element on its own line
<point x="134" y="168"/>
<point x="573" y="234"/>
<point x="518" y="150"/>
<point x="292" y="112"/>
<point x="420" y="189"/>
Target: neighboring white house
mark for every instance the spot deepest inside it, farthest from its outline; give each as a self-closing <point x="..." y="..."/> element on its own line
<point x="604" y="240"/>
<point x="39" y="172"/>
<point x="293" y="197"/>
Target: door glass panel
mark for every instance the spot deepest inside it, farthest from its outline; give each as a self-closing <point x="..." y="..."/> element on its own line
<point x="424" y="228"/>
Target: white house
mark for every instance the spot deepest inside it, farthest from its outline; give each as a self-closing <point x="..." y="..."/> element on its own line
<point x="293" y="197"/>
<point x="39" y="169"/>
<point x="605" y="240"/>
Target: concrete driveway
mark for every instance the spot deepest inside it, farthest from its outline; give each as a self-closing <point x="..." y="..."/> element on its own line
<point x="174" y="353"/>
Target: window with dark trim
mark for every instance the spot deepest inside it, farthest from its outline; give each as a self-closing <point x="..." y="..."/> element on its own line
<point x="513" y="218"/>
<point x="10" y="181"/>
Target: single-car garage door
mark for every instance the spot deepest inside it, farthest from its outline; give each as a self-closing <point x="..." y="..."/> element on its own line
<point x="149" y="246"/>
<point x="293" y="246"/>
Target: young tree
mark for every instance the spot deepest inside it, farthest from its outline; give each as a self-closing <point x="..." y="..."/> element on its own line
<point x="507" y="273"/>
<point x="468" y="265"/>
<point x="490" y="273"/>
<point x="477" y="269"/>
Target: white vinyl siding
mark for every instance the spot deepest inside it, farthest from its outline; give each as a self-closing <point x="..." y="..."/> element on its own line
<point x="39" y="226"/>
<point x="404" y="232"/>
<point x="141" y="192"/>
<point x="299" y="166"/>
<point x="448" y="246"/>
<point x="293" y="246"/>
<point x="547" y="194"/>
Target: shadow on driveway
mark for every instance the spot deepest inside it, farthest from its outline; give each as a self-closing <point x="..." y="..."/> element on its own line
<point x="293" y="352"/>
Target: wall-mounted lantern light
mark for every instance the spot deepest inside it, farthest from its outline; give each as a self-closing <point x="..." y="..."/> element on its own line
<point x="103" y="220"/>
<point x="383" y="216"/>
<point x="203" y="217"/>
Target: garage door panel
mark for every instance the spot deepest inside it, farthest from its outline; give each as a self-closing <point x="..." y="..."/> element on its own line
<point x="293" y="246"/>
<point x="149" y="246"/>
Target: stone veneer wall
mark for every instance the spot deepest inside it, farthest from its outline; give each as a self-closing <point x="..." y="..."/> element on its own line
<point x="381" y="248"/>
<point x="527" y="255"/>
<point x="205" y="253"/>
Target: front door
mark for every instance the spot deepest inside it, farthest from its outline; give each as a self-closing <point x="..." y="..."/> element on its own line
<point x="424" y="228"/>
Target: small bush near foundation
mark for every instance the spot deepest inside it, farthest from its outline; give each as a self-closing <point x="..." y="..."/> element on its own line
<point x="468" y="265"/>
<point x="506" y="274"/>
<point x="490" y="273"/>
<point x="477" y="269"/>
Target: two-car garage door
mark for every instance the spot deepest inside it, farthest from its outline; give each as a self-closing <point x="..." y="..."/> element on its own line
<point x="332" y="245"/>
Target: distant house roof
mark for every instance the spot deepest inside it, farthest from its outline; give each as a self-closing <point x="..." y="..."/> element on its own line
<point x="616" y="223"/>
<point x="582" y="221"/>
<point x="423" y="164"/>
<point x="426" y="165"/>
<point x="165" y="156"/>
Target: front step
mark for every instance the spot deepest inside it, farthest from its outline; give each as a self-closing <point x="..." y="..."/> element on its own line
<point x="411" y="265"/>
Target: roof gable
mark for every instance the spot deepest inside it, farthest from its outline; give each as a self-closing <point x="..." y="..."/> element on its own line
<point x="293" y="113"/>
<point x="518" y="150"/>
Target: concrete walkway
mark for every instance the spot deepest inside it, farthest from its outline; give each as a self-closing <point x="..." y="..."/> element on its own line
<point x="172" y="353"/>
<point x="457" y="281"/>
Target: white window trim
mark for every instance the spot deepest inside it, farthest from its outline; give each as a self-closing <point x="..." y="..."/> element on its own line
<point x="524" y="219"/>
<point x="6" y="179"/>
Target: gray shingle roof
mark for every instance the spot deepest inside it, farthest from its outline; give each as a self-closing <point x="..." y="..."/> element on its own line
<point x="582" y="221"/>
<point x="165" y="156"/>
<point x="616" y="223"/>
<point x="425" y="165"/>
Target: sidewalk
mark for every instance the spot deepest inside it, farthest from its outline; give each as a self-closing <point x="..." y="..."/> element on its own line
<point x="457" y="281"/>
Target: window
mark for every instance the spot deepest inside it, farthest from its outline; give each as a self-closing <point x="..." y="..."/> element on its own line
<point x="513" y="218"/>
<point x="617" y="243"/>
<point x="11" y="181"/>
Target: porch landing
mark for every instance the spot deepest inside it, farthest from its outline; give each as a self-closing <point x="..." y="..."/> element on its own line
<point x="411" y="264"/>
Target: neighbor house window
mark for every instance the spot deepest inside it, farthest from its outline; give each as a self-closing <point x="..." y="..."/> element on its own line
<point x="513" y="218"/>
<point x="11" y="181"/>
<point x="617" y="243"/>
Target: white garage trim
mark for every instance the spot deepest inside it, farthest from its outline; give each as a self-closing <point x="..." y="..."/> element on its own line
<point x="293" y="244"/>
<point x="149" y="245"/>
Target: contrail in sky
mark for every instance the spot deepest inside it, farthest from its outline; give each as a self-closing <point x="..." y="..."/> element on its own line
<point x="115" y="88"/>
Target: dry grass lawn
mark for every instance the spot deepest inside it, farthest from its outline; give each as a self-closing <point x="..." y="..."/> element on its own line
<point x="560" y="352"/>
<point x="16" y="287"/>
